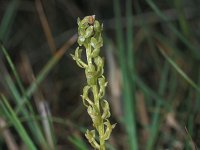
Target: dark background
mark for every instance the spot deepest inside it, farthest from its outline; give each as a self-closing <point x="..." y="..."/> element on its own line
<point x="152" y="55"/>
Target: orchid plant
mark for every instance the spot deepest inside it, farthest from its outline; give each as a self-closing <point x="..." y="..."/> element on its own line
<point x="90" y="40"/>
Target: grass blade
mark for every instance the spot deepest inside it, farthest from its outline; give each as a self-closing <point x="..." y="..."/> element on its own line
<point x="155" y="126"/>
<point x="80" y="145"/>
<point x="16" y="123"/>
<point x="173" y="29"/>
<point x="181" y="17"/>
<point x="8" y="19"/>
<point x="177" y="68"/>
<point x="128" y="94"/>
<point x="130" y="102"/>
<point x="34" y="127"/>
<point x="45" y="70"/>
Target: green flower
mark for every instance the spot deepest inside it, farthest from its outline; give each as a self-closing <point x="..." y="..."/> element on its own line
<point x="90" y="39"/>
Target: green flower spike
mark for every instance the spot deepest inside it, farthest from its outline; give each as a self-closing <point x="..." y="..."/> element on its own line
<point x="90" y="39"/>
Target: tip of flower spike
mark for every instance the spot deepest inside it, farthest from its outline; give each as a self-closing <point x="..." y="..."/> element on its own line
<point x="91" y="19"/>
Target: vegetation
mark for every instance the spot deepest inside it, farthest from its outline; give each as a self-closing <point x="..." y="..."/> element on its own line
<point x="89" y="36"/>
<point x="151" y="51"/>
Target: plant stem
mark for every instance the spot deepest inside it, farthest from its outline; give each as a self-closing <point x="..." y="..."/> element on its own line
<point x="90" y="38"/>
<point x="96" y="97"/>
<point x="101" y="126"/>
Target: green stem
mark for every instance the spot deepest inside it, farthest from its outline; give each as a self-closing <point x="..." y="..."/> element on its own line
<point x="96" y="97"/>
<point x="100" y="129"/>
<point x="90" y="38"/>
<point x="101" y="133"/>
<point x="88" y="52"/>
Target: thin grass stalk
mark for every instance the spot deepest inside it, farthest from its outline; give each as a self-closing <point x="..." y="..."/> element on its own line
<point x="146" y="89"/>
<point x="173" y="29"/>
<point x="147" y="32"/>
<point x="130" y="103"/>
<point x="47" y="124"/>
<point x="7" y="135"/>
<point x="15" y="121"/>
<point x="34" y="127"/>
<point x="154" y="129"/>
<point x="14" y="71"/>
<point x="179" y="70"/>
<point x="129" y="36"/>
<point x="191" y="116"/>
<point x="11" y="64"/>
<point x="79" y="143"/>
<point x="127" y="93"/>
<point x="8" y="19"/>
<point x="191" y="127"/>
<point x="181" y="18"/>
<point x="44" y="71"/>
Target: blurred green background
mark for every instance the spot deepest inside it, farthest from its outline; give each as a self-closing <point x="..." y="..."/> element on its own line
<point x="152" y="56"/>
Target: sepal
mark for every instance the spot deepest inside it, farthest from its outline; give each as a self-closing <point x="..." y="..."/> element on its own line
<point x="94" y="114"/>
<point x="85" y="98"/>
<point x="90" y="135"/>
<point x="109" y="129"/>
<point x="106" y="109"/>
